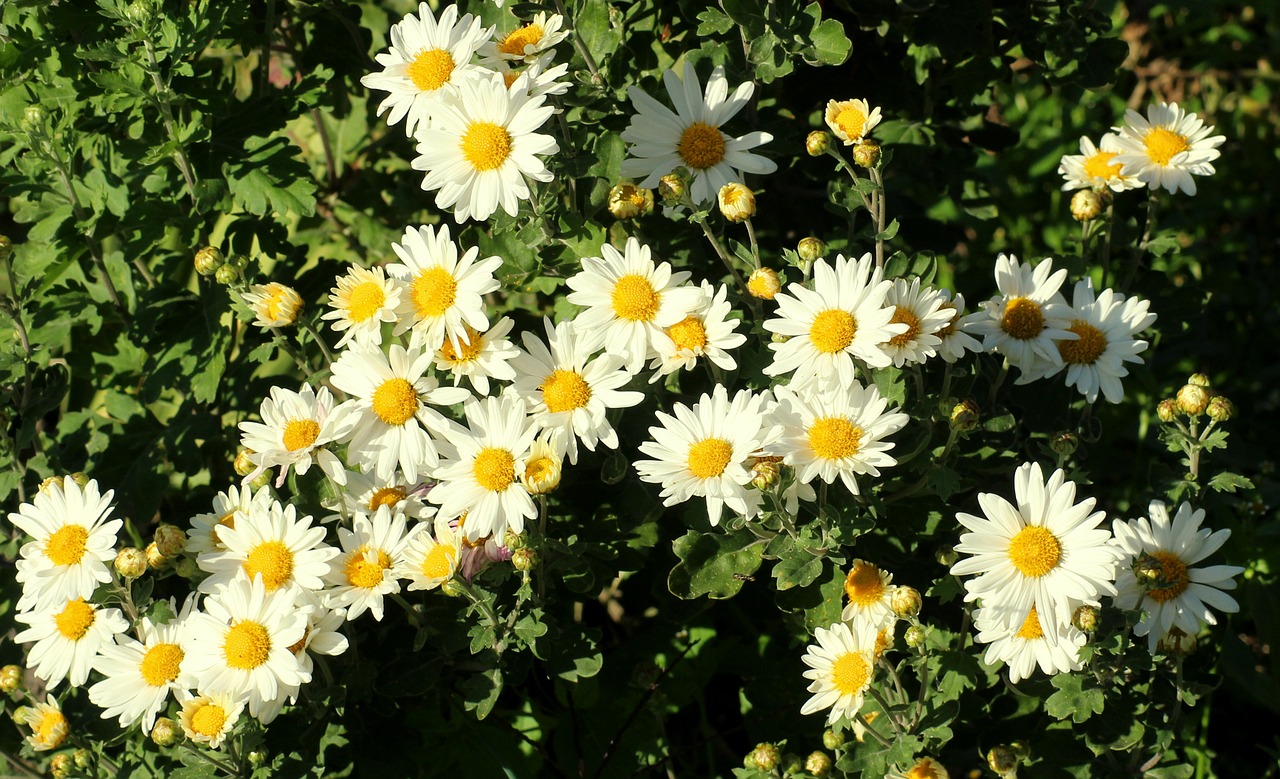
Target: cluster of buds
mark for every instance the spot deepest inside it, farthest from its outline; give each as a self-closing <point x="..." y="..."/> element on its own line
<point x="210" y="262"/>
<point x="1194" y="399"/>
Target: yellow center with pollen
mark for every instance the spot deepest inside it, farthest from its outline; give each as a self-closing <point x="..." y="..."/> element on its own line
<point x="709" y="457"/>
<point x="365" y="573"/>
<point x="494" y="469"/>
<point x="1099" y="166"/>
<point x="1031" y="629"/>
<point x="1022" y="319"/>
<point x="160" y="664"/>
<point x="1163" y="145"/>
<point x="850" y="673"/>
<point x="834" y="438"/>
<point x="905" y="316"/>
<point x="539" y="471"/>
<point x="833" y="330"/>
<point x="689" y="334"/>
<point x="365" y="301"/>
<point x="469" y="346"/>
<point x="922" y="771"/>
<point x="247" y="645"/>
<point x="635" y="299"/>
<point x="395" y="401"/>
<point x="271" y="560"/>
<point x="1085" y="351"/>
<point x="209" y="720"/>
<point x="67" y="545"/>
<point x="434" y="290"/>
<point x="565" y="391"/>
<point x="863" y="585"/>
<point x="1035" y="551"/>
<point x="299" y="434"/>
<point x="851" y="121"/>
<point x="515" y="43"/>
<point x="1173" y="579"/>
<point x="279" y="296"/>
<point x="701" y="146"/>
<point x="75" y="619"/>
<point x="431" y="69"/>
<point x="486" y="145"/>
<point x="386" y="496"/>
<point x="439" y="562"/>
<point x="949" y="327"/>
<point x="52" y="727"/>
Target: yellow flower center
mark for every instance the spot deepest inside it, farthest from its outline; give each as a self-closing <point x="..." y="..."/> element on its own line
<point x="905" y="316"/>
<point x="365" y="301"/>
<point x="851" y="121"/>
<point x="709" y="457"/>
<point x="209" y="720"/>
<point x="949" y="327"/>
<point x="273" y="561"/>
<point x="1034" y="551"/>
<point x="923" y="770"/>
<point x="75" y="619"/>
<point x="468" y="347"/>
<point x="884" y="639"/>
<point x="689" y="334"/>
<point x="863" y="585"/>
<point x="833" y="330"/>
<point x="434" y="290"/>
<point x="701" y="146"/>
<point x="494" y="469"/>
<point x="1031" y="629"/>
<point x="486" y="145"/>
<point x="386" y="496"/>
<point x="635" y="299"/>
<point x="834" y="438"/>
<point x="1173" y="579"/>
<point x="247" y="645"/>
<point x="431" y="69"/>
<point x="52" y="727"/>
<point x="850" y="673"/>
<point x="364" y="573"/>
<point x="161" y="663"/>
<point x="395" y="401"/>
<point x="1088" y="348"/>
<point x="515" y="42"/>
<point x="439" y="562"/>
<point x="1163" y="145"/>
<point x="540" y="474"/>
<point x="67" y="545"/>
<point x="281" y="303"/>
<point x="300" y="433"/>
<point x="1022" y="319"/>
<point x="565" y="391"/>
<point x="1099" y="166"/>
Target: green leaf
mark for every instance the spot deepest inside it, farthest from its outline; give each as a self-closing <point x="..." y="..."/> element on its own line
<point x="713" y="22"/>
<point x="596" y="30"/>
<point x="199" y="770"/>
<point x="1230" y="482"/>
<point x="889" y="232"/>
<point x="713" y="565"/>
<point x="481" y="692"/>
<point x="798" y="568"/>
<point x="830" y="45"/>
<point x="1073" y="699"/>
<point x="1179" y="771"/>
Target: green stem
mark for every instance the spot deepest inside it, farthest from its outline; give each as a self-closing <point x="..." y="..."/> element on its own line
<point x="324" y="347"/>
<point x="884" y="706"/>
<point x="924" y="689"/>
<point x="587" y="59"/>
<point x="1153" y="203"/>
<point x="227" y="769"/>
<point x="884" y="742"/>
<point x="170" y="126"/>
<point x="755" y="247"/>
<point x="879" y="215"/>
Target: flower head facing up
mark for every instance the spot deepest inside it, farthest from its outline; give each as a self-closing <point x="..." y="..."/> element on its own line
<point x="73" y="543"/>
<point x="841" y="667"/>
<point x="1167" y="148"/>
<point x="362" y="302"/>
<point x="851" y="120"/>
<point x="1095" y="167"/>
<point x="1028" y="645"/>
<point x="1027" y="319"/>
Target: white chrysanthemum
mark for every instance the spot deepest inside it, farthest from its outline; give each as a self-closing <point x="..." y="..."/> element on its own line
<point x="1026" y="646"/>
<point x="273" y="304"/>
<point x="1167" y="147"/>
<point x="479" y="356"/>
<point x="363" y="300"/>
<point x="870" y="593"/>
<point x="537" y="79"/>
<point x="427" y="59"/>
<point x="364" y="493"/>
<point x="431" y="560"/>
<point x="1174" y="594"/>
<point x="690" y="137"/>
<point x="47" y="722"/>
<point x="73" y="546"/>
<point x="844" y="316"/>
<point x="706" y="332"/>
<point x="1095" y="167"/>
<point x="703" y="452"/>
<point x="1025" y="319"/>
<point x="481" y="148"/>
<point x="67" y="637"/>
<point x="841" y="666"/>
<point x="443" y="292"/>
<point x="629" y="300"/>
<point x="295" y="428"/>
<point x="140" y="675"/>
<point x="273" y="545"/>
<point x="955" y="340"/>
<point x="393" y="393"/>
<point x="1047" y="551"/>
<point x="921" y="310"/>
<point x="322" y="638"/>
<point x="208" y="718"/>
<point x="545" y="464"/>
<point x="837" y="434"/>
<point x="1105" y="329"/>
<point x="851" y="120"/>
<point x="234" y="505"/>
<point x="370" y="563"/>
<point x="567" y="390"/>
<point x="526" y="43"/>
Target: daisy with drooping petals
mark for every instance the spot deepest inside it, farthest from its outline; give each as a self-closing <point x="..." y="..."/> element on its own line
<point x="1046" y="552"/>
<point x="47" y="722"/>
<point x="294" y="430"/>
<point x="208" y="718"/>
<point x="870" y="592"/>
<point x="67" y="638"/>
<point x="1025" y="320"/>
<point x="920" y="309"/>
<point x="426" y="60"/>
<point x="851" y="120"/>
<point x="955" y="341"/>
<point x="662" y="140"/>
<point x="236" y="504"/>
<point x="73" y="545"/>
<point x="1172" y="593"/>
<point x="140" y="675"/>
<point x="369" y="566"/>
<point x="273" y="304"/>
<point x="1026" y="646"/>
<point x="364" y="493"/>
<point x="629" y="299"/>
<point x="1167" y="147"/>
<point x="841" y="666"/>
<point x="479" y="356"/>
<point x="363" y="300"/>
<point x="481" y="149"/>
<point x="705" y="332"/>
<point x="273" y="545"/>
<point x="443" y="292"/>
<point x="431" y="560"/>
<point x="1095" y="167"/>
<point x="527" y="43"/>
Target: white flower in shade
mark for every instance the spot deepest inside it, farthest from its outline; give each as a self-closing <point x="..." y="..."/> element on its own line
<point x="208" y="718"/>
<point x="629" y="300"/>
<point x="392" y="395"/>
<point x="921" y="310"/>
<point x="870" y="593"/>
<point x="1173" y="593"/>
<point x="273" y="304"/>
<point x="838" y="434"/>
<point x="690" y="137"/>
<point x="364" y="493"/>
<point x="955" y="340"/>
<point x="841" y="666"/>
<point x="526" y="43"/>
<point x="568" y="391"/>
<point x="842" y="317"/>
<point x="545" y="463"/>
<point x="706" y="332"/>
<point x="1167" y="147"/>
<point x="240" y="642"/>
<point x="295" y="428"/>
<point x="1026" y="646"/>
<point x="443" y="292"/>
<point x="1026" y="318"/>
<point x="362" y="302"/>
<point x="703" y="452"/>
<point x="479" y="356"/>
<point x="426" y="60"/>
<point x="1095" y="167"/>
<point x="431" y="560"/>
<point x="851" y="120"/>
<point x="67" y="637"/>
<point x="1047" y="551"/>
<point x="73" y="543"/>
<point x="482" y="147"/>
<point x="47" y="722"/>
<point x="140" y="675"/>
<point x="369" y="566"/>
<point x="236" y="504"/>
<point x="273" y="545"/>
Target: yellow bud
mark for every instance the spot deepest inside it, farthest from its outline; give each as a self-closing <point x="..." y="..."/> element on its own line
<point x="156" y="560"/>
<point x="10" y="679"/>
<point x="672" y="188"/>
<point x="207" y="261"/>
<point x="61" y="766"/>
<point x="1003" y="760"/>
<point x="166" y="732"/>
<point x="1167" y="410"/>
<point x="1220" y="409"/>
<point x="170" y="540"/>
<point x="131" y="562"/>
<point x="905" y="601"/>
<point x="964" y="416"/>
<point x="1193" y="399"/>
<point x="1086" y="205"/>
<point x="6" y="248"/>
<point x="866" y="153"/>
<point x="737" y="202"/>
<point x="627" y="201"/>
<point x="817" y="143"/>
<point x="811" y="249"/>
<point x="764" y="283"/>
<point x="243" y="465"/>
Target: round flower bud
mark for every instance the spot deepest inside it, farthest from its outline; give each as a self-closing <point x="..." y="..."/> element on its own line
<point x="138" y="12"/>
<point x="672" y="188"/>
<point x="207" y="261"/>
<point x="832" y="740"/>
<point x="1065" y="443"/>
<point x="1219" y="409"/>
<point x="33" y="119"/>
<point x="737" y="202"/>
<point x="764" y="283"/>
<point x="170" y="540"/>
<point x="258" y="758"/>
<point x="927" y="766"/>
<point x="21" y="713"/>
<point x="186" y="567"/>
<point x="243" y="465"/>
<point x="765" y="757"/>
<point x="1002" y="759"/>
<point x="452" y="589"/>
<point x="964" y="416"/>
<point x="1085" y="619"/>
<point x="946" y="555"/>
<point x="155" y="559"/>
<point x="818" y="764"/>
<point x="1176" y="643"/>
<point x="260" y="481"/>
<point x="1199" y="380"/>
<point x="131" y="562"/>
<point x="524" y="559"/>
<point x="866" y="154"/>
<point x="11" y="679"/>
<point x="61" y="766"/>
<point x="83" y="758"/>
<point x="1193" y="400"/>
<point x="6" y="248"/>
<point x="79" y="478"/>
<point x="817" y="143"/>
<point x="513" y="540"/>
<point x="1167" y="410"/>
<point x="1147" y="569"/>
<point x="49" y="483"/>
<point x="811" y="249"/>
<point x="915" y="636"/>
<point x="905" y="601"/>
<point x="627" y="201"/>
<point x="791" y="764"/>
<point x="227" y="275"/>
<point x="1086" y="205"/>
<point x="166" y="732"/>
<point x="765" y="473"/>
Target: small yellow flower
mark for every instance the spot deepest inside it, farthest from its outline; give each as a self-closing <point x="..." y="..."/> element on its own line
<point x="274" y="304"/>
<point x="627" y="201"/>
<point x="764" y="283"/>
<point x="737" y="202"/>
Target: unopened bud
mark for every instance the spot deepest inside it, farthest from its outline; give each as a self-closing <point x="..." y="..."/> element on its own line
<point x="10" y="679"/>
<point x="83" y="758"/>
<point x="243" y="465"/>
<point x="1002" y="759"/>
<point x="832" y="740"/>
<point x="1021" y="748"/>
<point x="156" y="560"/>
<point x="452" y="588"/>
<point x="524" y="559"/>
<point x="1064" y="444"/>
<point x="737" y="202"/>
<point x="61" y="766"/>
<point x="6" y="248"/>
<point x="765" y="757"/>
<point x="964" y="416"/>
<point x="905" y="601"/>
<point x="48" y="484"/>
<point x="80" y="478"/>
<point x="915" y="636"/>
<point x="946" y="555"/>
<point x="764" y="283"/>
<point x="792" y="764"/>
<point x="1219" y="409"/>
<point x="207" y="261"/>
<point x="1199" y="380"/>
<point x="627" y="201"/>
<point x="33" y="119"/>
<point x="227" y="274"/>
<point x="811" y="249"/>
<point x="766" y="473"/>
<point x="672" y="188"/>
<point x="1176" y="643"/>
<point x="258" y="757"/>
<point x="1086" y="205"/>
<point x="273" y="304"/>
<point x="260" y="481"/>
<point x="1193" y="399"/>
<point x="1085" y="619"/>
<point x="817" y="143"/>
<point x="186" y="567"/>
<point x="131" y="562"/>
<point x="1167" y="410"/>
<point x="166" y="732"/>
<point x="138" y="12"/>
<point x="170" y="540"/>
<point x="866" y="153"/>
<point x="513" y="540"/>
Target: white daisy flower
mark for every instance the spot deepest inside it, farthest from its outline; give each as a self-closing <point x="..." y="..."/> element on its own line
<point x="841" y="666"/>
<point x="294" y="431"/>
<point x="629" y="299"/>
<point x="67" y="637"/>
<point x="1173" y="594"/>
<point x="1167" y="148"/>
<point x="921" y="310"/>
<point x="363" y="300"/>
<point x="955" y="341"/>
<point x="322" y="638"/>
<point x="479" y="356"/>
<point x="273" y="545"/>
<point x="543" y="467"/>
<point x="235" y="504"/>
<point x="704" y="451"/>
<point x="364" y="493"/>
<point x="481" y="147"/>
<point x="567" y="390"/>
<point x="1026" y="318"/>
<point x="426" y="60"/>
<point x="527" y="43"/>
<point x="73" y="543"/>
<point x="47" y="722"/>
<point x="431" y="560"/>
<point x="1047" y="551"/>
<point x="140" y="675"/>
<point x="870" y="592"/>
<point x="370" y="563"/>
<point x="1026" y="646"/>
<point x="851" y="120"/>
<point x="662" y="140"/>
<point x="273" y="304"/>
<point x="841" y="318"/>
<point x="208" y="718"/>
<point x="1095" y="167"/>
<point x="705" y="332"/>
<point x="537" y="79"/>
<point x="392" y="396"/>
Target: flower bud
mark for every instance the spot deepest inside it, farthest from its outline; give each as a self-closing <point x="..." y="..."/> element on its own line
<point x="1176" y="643"/>
<point x="627" y="201"/>
<point x="927" y="766"/>
<point x="11" y="679"/>
<point x="6" y="248"/>
<point x="1167" y="410"/>
<point x="513" y="540"/>
<point x="543" y="469"/>
<point x="1085" y="619"/>
<point x="964" y="416"/>
<point x="452" y="589"/>
<point x="207" y="261"/>
<point x="156" y="560"/>
<point x="766" y="472"/>
<point x="764" y="283"/>
<point x="21" y="713"/>
<point x="1086" y="205"/>
<point x="672" y="188"/>
<point x="946" y="555"/>
<point x="737" y="202"/>
<point x="48" y="484"/>
<point x="915" y="636"/>
<point x="866" y="153"/>
<point x="61" y="766"/>
<point x="166" y="732"/>
<point x="1064" y="443"/>
<point x="811" y="249"/>
<point x="765" y="757"/>
<point x="832" y="740"/>
<point x="138" y="13"/>
<point x="260" y="481"/>
<point x="1199" y="380"/>
<point x="186" y="567"/>
<point x="170" y="540"/>
<point x="524" y="559"/>
<point x="1219" y="409"/>
<point x="258" y="758"/>
<point x="817" y="143"/>
<point x="83" y="759"/>
<point x="33" y="119"/>
<point x="1193" y="400"/>
<point x="80" y="478"/>
<point x="131" y="562"/>
<point x="1021" y="748"/>
<point x="905" y="601"/>
<point x="1002" y="759"/>
<point x="792" y="764"/>
<point x="243" y="465"/>
<point x="227" y="275"/>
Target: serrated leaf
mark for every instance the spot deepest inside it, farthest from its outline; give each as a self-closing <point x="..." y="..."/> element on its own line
<point x="830" y="44"/>
<point x="1073" y="699"/>
<point x="713" y="565"/>
<point x="481" y="692"/>
<point x="1230" y="482"/>
<point x="713" y="22"/>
